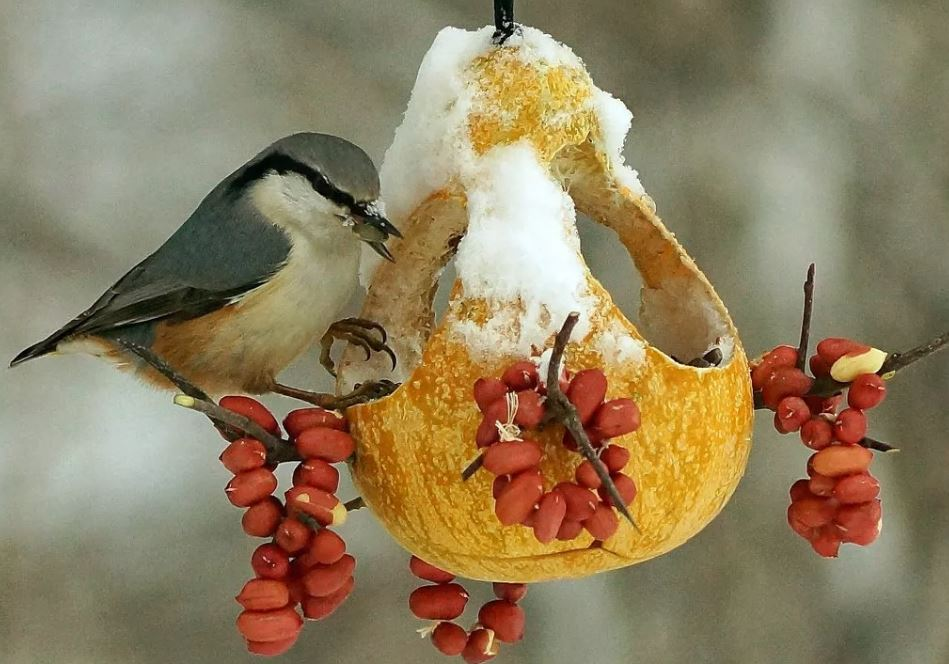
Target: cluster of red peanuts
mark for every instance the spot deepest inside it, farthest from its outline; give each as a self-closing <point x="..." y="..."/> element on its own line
<point x="500" y="620"/>
<point x="838" y="503"/>
<point x="515" y="403"/>
<point x="305" y="564"/>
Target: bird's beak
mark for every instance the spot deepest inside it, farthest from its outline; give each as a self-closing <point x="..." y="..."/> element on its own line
<point x="381" y="249"/>
<point x="374" y="229"/>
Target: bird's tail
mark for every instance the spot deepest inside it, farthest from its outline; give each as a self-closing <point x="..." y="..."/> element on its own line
<point x="44" y="347"/>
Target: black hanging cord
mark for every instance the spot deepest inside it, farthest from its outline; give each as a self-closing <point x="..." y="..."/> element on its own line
<point x="503" y="20"/>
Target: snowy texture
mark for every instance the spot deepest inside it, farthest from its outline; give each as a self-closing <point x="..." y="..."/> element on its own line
<point x="431" y="147"/>
<point x="618" y="347"/>
<point x="615" y="120"/>
<point x="521" y="253"/>
<point x="521" y="246"/>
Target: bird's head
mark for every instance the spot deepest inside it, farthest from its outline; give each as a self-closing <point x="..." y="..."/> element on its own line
<point x="311" y="179"/>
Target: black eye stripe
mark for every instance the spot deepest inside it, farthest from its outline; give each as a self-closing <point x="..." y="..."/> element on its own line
<point x="282" y="164"/>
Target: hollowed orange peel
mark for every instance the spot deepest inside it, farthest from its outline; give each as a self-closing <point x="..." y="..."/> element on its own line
<point x="497" y="147"/>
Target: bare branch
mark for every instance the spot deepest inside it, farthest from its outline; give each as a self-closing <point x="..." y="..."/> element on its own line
<point x="558" y="402"/>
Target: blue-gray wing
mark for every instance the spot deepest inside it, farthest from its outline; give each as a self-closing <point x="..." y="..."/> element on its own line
<point x="225" y="249"/>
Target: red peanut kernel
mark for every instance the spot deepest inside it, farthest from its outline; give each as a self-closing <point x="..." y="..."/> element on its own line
<point x="811" y="512"/>
<point x="429" y="572"/>
<point x="548" y="518"/>
<point x="827" y="542"/>
<point x="263" y="594"/>
<point x="520" y="376"/>
<point x="569" y="530"/>
<point x="615" y="458"/>
<point x="317" y="608"/>
<point x="481" y="647"/>
<point x="292" y="536"/>
<point x="269" y="561"/>
<point x="505" y="618"/>
<point x="797" y="525"/>
<point x="792" y="414"/>
<point x="323" y="580"/>
<point x="253" y="410"/>
<point x="488" y="429"/>
<point x="586" y="476"/>
<point x="274" y="625"/>
<point x="262" y="518"/>
<point x="625" y="486"/>
<point x="819" y="366"/>
<point x="499" y="484"/>
<point x="785" y="382"/>
<point x="840" y="460"/>
<point x="615" y="418"/>
<point x="298" y="421"/>
<point x="512" y="457"/>
<point x="270" y="648"/>
<point x="318" y="473"/>
<point x="326" y="547"/>
<point x="444" y="601"/>
<point x="866" y="391"/>
<point x="581" y="502"/>
<point x="530" y="409"/>
<point x="517" y="500"/>
<point x="857" y="518"/>
<point x="487" y="391"/>
<point x="855" y="489"/>
<point x="449" y="638"/>
<point x="817" y="433"/>
<point x="864" y="536"/>
<point x="833" y="348"/>
<point x="603" y="523"/>
<point x="781" y="356"/>
<point x="512" y="592"/>
<point x="800" y="489"/>
<point x="822" y="486"/>
<point x="331" y="445"/>
<point x="244" y="454"/>
<point x="850" y="426"/>
<point x="250" y="487"/>
<point x="586" y="392"/>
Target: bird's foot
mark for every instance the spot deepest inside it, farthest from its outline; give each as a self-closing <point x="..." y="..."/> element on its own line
<point x="367" y="334"/>
<point x="363" y="393"/>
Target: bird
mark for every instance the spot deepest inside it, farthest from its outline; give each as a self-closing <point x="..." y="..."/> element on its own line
<point x="259" y="271"/>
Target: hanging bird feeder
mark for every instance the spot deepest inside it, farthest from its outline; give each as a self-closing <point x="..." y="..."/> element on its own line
<point x="505" y="139"/>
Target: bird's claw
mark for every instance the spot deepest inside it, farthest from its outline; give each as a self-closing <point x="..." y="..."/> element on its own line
<point x="366" y="392"/>
<point x="367" y="334"/>
<point x="363" y="393"/>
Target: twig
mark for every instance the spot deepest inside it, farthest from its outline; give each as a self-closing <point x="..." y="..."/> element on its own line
<point x="472" y="468"/>
<point x="897" y="361"/>
<point x="806" y="318"/>
<point x="278" y="450"/>
<point x="879" y="446"/>
<point x="560" y="404"/>
<point x="158" y="363"/>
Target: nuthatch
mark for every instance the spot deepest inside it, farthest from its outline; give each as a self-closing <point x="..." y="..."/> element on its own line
<point x="255" y="275"/>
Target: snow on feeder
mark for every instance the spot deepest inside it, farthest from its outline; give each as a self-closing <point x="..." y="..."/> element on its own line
<point x="499" y="149"/>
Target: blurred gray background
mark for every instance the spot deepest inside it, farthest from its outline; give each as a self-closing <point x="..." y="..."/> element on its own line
<point x="770" y="133"/>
